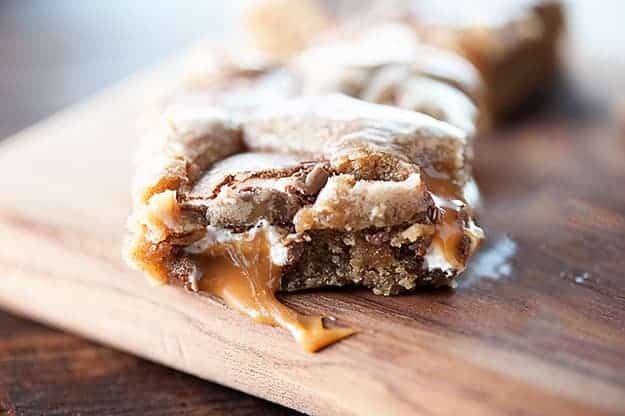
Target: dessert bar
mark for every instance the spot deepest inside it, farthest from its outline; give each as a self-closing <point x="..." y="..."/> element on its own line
<point x="411" y="75"/>
<point x="304" y="193"/>
<point x="513" y="43"/>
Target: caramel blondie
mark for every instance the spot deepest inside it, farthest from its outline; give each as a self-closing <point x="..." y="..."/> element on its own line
<point x="304" y="193"/>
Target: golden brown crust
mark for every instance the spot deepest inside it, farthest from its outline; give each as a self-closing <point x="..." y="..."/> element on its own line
<point x="169" y="160"/>
<point x="366" y="140"/>
<point x="310" y="16"/>
<point x="514" y="46"/>
<point x="181" y="147"/>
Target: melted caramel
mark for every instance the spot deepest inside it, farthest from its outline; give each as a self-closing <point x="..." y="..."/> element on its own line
<point x="449" y="234"/>
<point x="442" y="186"/>
<point x="450" y="230"/>
<point x="242" y="274"/>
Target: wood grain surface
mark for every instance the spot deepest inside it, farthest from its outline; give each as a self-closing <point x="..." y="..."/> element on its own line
<point x="51" y="373"/>
<point x="548" y="338"/>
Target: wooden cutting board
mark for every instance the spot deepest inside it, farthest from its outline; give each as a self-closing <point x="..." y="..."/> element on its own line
<point x="540" y="333"/>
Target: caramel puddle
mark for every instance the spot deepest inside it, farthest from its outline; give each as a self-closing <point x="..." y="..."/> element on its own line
<point x="242" y="274"/>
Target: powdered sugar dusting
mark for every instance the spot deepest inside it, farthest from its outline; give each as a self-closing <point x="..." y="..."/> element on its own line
<point x="492" y="262"/>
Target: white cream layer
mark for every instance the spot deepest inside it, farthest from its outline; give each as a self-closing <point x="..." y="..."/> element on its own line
<point x="215" y="235"/>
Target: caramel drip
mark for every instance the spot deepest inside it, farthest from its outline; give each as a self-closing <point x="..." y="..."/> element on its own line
<point x="442" y="186"/>
<point x="242" y="274"/>
<point x="450" y="231"/>
<point x="449" y="234"/>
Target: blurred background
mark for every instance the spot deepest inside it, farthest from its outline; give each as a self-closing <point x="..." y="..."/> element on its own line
<point x="54" y="53"/>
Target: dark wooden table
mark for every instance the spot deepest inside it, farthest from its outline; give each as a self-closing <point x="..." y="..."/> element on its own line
<point x="53" y="53"/>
